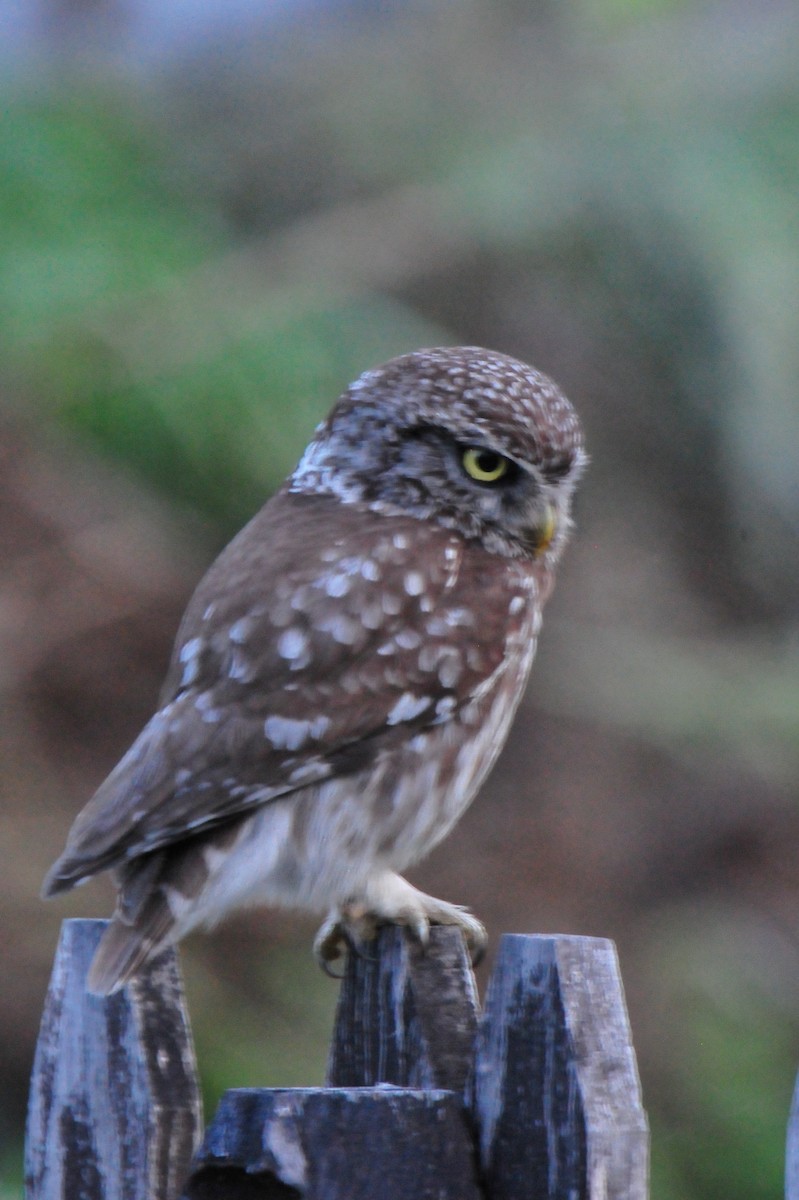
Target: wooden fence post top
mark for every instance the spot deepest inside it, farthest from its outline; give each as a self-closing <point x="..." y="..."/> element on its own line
<point x="589" y="978"/>
<point x="792" y="1149"/>
<point x="114" y="1107"/>
<point x="406" y="1015"/>
<point x="336" y="1144"/>
<point x="555" y="1091"/>
<point x="541" y="1091"/>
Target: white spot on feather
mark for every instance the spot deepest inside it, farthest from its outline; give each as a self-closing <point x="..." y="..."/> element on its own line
<point x="372" y="616"/>
<point x="407" y="707"/>
<point x="308" y="772"/>
<point x="301" y="599"/>
<point x="191" y="649"/>
<point x="240" y="630"/>
<point x="414" y="583"/>
<point x="214" y="857"/>
<point x="204" y="703"/>
<point x="292" y="644"/>
<point x="450" y="670"/>
<point x="459" y="617"/>
<point x="337" y="586"/>
<point x="178" y="903"/>
<point x="286" y="733"/>
<point x="190" y="656"/>
<point x="242" y="669"/>
<point x="342" y="629"/>
<point x="408" y="639"/>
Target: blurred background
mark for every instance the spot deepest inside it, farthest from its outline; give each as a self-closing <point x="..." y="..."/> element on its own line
<point x="213" y="215"/>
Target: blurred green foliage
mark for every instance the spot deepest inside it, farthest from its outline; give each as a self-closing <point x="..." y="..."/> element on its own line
<point x="193" y="261"/>
<point x="96" y="234"/>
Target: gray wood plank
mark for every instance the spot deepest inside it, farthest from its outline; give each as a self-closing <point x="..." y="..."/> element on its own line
<point x="792" y="1149"/>
<point x="406" y="1015"/>
<point x="380" y="1143"/>
<point x="115" y="1110"/>
<point x="555" y="1092"/>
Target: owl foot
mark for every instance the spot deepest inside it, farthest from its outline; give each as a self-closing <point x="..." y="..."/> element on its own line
<point x="339" y="933"/>
<point x="391" y="900"/>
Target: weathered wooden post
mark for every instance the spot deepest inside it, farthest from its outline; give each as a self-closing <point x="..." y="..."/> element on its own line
<point x="115" y="1108"/>
<point x="391" y="1122"/>
<point x="406" y="1015"/>
<point x="371" y="1143"/>
<point x="792" y="1149"/>
<point x="555" y="1093"/>
<point x="537" y="1099"/>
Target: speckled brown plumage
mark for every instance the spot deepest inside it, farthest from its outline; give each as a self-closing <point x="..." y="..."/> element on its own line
<point x="348" y="669"/>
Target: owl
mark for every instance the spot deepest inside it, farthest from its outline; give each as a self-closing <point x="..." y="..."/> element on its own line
<point x="347" y="671"/>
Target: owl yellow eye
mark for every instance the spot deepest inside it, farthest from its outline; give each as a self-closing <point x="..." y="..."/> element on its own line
<point x="484" y="466"/>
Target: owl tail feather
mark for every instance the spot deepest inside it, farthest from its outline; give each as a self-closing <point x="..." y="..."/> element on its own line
<point x="157" y="903"/>
<point x="125" y="948"/>
<point x="121" y="953"/>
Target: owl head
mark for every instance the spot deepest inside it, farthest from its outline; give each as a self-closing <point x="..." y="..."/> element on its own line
<point x="467" y="437"/>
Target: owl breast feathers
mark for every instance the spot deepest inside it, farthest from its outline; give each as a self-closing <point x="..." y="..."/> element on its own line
<point x="347" y="671"/>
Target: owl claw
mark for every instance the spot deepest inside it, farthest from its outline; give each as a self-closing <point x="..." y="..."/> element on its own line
<point x="419" y="928"/>
<point x="474" y="931"/>
<point x="430" y="911"/>
<point x="341" y="933"/>
<point x="353" y="927"/>
<point x="330" y="944"/>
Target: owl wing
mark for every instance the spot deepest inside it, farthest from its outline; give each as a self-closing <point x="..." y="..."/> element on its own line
<point x="300" y="657"/>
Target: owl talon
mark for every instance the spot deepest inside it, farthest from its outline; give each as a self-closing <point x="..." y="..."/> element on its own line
<point x="474" y="931"/>
<point x="331" y="943"/>
<point x="340" y="934"/>
<point x="419" y="929"/>
<point x="328" y="970"/>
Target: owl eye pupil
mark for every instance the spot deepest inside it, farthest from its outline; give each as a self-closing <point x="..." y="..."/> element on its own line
<point x="484" y="466"/>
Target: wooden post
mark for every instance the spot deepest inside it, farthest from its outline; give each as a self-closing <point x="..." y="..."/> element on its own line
<point x="547" y="1107"/>
<point x="555" y="1094"/>
<point x="792" y="1149"/>
<point x="115" y="1110"/>
<point x="378" y="1143"/>
<point x="406" y="1016"/>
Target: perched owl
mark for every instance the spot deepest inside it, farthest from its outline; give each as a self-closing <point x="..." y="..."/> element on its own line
<point x="347" y="671"/>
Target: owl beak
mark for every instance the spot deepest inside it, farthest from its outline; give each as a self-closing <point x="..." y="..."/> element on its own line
<point x="544" y="529"/>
